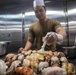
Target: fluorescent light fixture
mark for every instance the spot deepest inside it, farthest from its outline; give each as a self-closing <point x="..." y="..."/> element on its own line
<point x="47" y="13"/>
<point x="54" y="12"/>
<point x="14" y="26"/>
<point x="72" y="22"/>
<point x="63" y="23"/>
<point x="29" y="13"/>
<point x="72" y="11"/>
<point x="26" y="28"/>
<point x="27" y="25"/>
<point x="11" y="16"/>
<point x="23" y="15"/>
<point x="10" y="22"/>
<point x="16" y="29"/>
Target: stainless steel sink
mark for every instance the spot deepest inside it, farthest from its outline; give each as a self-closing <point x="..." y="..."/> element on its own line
<point x="3" y="46"/>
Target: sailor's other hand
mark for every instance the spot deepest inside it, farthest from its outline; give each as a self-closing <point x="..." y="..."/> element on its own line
<point x="20" y="50"/>
<point x="52" y="37"/>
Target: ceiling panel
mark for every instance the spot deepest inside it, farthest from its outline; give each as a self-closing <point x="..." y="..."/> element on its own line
<point x="17" y="6"/>
<point x="12" y="3"/>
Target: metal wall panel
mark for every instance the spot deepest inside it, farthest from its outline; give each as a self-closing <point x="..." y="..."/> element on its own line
<point x="2" y="27"/>
<point x="71" y="6"/>
<point x="15" y="22"/>
<point x="11" y="29"/>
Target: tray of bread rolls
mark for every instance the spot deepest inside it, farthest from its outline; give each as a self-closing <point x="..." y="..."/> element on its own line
<point x="33" y="63"/>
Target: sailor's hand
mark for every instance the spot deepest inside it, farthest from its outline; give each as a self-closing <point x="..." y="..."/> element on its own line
<point x="52" y="37"/>
<point x="20" y="50"/>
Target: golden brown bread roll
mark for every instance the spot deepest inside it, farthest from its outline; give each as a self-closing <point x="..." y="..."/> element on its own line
<point x="71" y="69"/>
<point x="34" y="65"/>
<point x="65" y="66"/>
<point x="9" y="57"/>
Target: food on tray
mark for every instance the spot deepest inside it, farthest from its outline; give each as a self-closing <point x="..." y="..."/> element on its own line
<point x="24" y="71"/>
<point x="26" y="63"/>
<point x="33" y="56"/>
<point x="43" y="65"/>
<point x="63" y="60"/>
<point x="18" y="69"/>
<point x="40" y="56"/>
<point x="58" y="54"/>
<point x="20" y="57"/>
<point x="54" y="71"/>
<point x="14" y="65"/>
<point x="54" y="60"/>
<point x="65" y="66"/>
<point x="47" y="58"/>
<point x="69" y="67"/>
<point x="3" y="67"/>
<point x="33" y="63"/>
<point x="27" y="52"/>
<point x="10" y="57"/>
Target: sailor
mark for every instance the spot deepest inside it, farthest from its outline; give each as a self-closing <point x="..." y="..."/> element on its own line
<point x="44" y="27"/>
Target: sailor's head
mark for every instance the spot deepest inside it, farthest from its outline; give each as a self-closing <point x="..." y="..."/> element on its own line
<point x="39" y="8"/>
